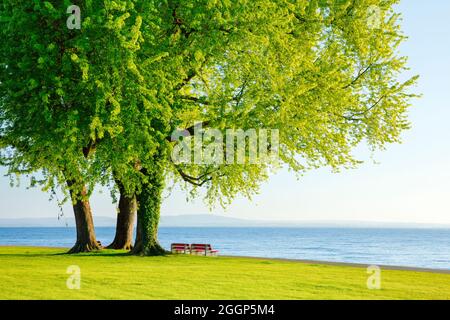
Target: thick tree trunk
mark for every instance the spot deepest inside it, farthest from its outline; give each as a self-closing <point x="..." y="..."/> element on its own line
<point x="86" y="240"/>
<point x="125" y="222"/>
<point x="148" y="213"/>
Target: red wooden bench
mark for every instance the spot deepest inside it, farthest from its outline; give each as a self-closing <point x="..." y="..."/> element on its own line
<point x="180" y="248"/>
<point x="204" y="249"/>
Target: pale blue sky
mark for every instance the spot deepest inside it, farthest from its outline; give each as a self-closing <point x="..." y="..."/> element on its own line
<point x="409" y="183"/>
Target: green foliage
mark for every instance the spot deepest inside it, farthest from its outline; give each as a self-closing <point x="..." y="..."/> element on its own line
<point x="148" y="214"/>
<point x="137" y="70"/>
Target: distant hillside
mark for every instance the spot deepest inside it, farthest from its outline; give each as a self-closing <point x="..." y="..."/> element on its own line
<point x="213" y="220"/>
<point x="205" y="220"/>
<point x="53" y="222"/>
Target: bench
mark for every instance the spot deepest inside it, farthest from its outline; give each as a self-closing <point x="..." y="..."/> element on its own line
<point x="180" y="248"/>
<point x="204" y="249"/>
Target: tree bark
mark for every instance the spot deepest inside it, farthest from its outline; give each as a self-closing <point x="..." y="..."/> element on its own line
<point x="148" y="214"/>
<point x="86" y="240"/>
<point x="125" y="221"/>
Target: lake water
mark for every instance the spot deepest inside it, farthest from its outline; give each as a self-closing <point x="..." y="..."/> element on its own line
<point x="427" y="248"/>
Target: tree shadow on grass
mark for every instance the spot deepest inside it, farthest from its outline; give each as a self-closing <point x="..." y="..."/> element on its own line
<point x="99" y="253"/>
<point x="107" y="253"/>
<point x="63" y="252"/>
<point x="25" y="254"/>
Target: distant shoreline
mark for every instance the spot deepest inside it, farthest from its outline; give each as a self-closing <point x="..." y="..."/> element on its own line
<point x="369" y="227"/>
<point x="220" y="221"/>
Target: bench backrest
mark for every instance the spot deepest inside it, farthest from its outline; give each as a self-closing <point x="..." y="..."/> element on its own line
<point x="198" y="246"/>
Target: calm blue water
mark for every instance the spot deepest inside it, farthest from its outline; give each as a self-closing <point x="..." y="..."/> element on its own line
<point x="428" y="248"/>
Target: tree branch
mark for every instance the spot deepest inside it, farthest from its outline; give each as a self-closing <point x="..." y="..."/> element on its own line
<point x="196" y="181"/>
<point x="354" y="116"/>
<point x="359" y="76"/>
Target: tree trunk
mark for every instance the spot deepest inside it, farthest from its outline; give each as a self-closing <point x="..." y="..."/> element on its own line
<point x="148" y="213"/>
<point x="86" y="240"/>
<point x="125" y="221"/>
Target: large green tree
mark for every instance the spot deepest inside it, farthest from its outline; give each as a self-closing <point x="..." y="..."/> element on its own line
<point x="100" y="104"/>
<point x="40" y="84"/>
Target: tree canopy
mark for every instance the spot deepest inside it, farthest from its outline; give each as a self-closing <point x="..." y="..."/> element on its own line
<point x="103" y="101"/>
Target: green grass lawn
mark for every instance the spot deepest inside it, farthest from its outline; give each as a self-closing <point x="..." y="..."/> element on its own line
<point x="40" y="273"/>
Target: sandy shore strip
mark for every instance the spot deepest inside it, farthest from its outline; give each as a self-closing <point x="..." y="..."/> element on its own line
<point x="349" y="264"/>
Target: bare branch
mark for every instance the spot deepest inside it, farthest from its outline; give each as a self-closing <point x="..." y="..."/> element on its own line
<point x="362" y="114"/>
<point x="359" y="76"/>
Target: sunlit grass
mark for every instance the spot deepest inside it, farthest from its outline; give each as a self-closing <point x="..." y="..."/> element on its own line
<point x="40" y="273"/>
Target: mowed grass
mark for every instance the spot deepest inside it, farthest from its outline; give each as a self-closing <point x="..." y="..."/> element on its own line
<point x="41" y="273"/>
